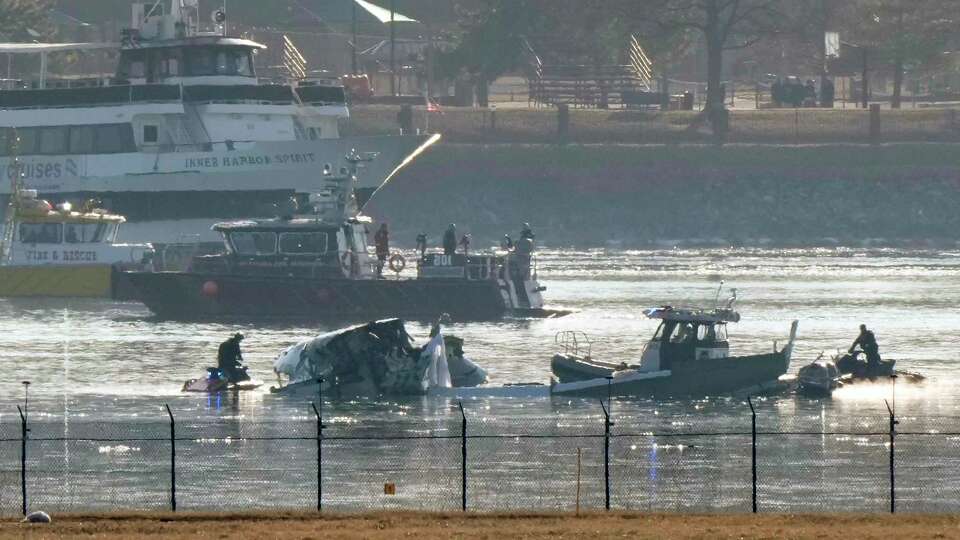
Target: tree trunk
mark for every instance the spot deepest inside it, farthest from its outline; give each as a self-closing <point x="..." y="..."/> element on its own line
<point x="712" y="34"/>
<point x="715" y="90"/>
<point x="483" y="91"/>
<point x="898" y="65"/>
<point x="897" y="83"/>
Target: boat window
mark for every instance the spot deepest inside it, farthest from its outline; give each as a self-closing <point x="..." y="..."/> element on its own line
<point x="659" y="333"/>
<point x="721" y="332"/>
<point x="81" y="139"/>
<point x="84" y="233"/>
<point x="114" y="138"/>
<point x="53" y="140"/>
<point x="40" y="233"/>
<point x="132" y="65"/>
<point x="200" y="61"/>
<point x="254" y="243"/>
<point x="170" y="63"/>
<point x="223" y="67"/>
<point x="684" y="332"/>
<point x="242" y="60"/>
<point x="706" y="333"/>
<point x="150" y="134"/>
<point x="28" y="141"/>
<point x="312" y="243"/>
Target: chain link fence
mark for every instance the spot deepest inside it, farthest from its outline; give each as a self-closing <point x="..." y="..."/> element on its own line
<point x="475" y="461"/>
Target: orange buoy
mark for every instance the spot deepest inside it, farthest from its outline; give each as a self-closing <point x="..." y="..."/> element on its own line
<point x="210" y="289"/>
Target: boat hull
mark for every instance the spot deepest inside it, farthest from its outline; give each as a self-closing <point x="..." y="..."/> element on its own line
<point x="185" y="295"/>
<point x="698" y="377"/>
<point x="56" y="281"/>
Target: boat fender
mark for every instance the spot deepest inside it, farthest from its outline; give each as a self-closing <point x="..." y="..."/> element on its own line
<point x="397" y="263"/>
<point x="210" y="289"/>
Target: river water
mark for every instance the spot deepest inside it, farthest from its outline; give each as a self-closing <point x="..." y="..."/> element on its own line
<point x="97" y="366"/>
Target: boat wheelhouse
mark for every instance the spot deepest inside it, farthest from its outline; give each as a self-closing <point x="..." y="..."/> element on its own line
<point x="689" y="354"/>
<point x="184" y="133"/>
<point x="308" y="268"/>
<point x="61" y="252"/>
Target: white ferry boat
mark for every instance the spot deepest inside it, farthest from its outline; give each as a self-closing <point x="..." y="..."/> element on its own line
<point x="185" y="134"/>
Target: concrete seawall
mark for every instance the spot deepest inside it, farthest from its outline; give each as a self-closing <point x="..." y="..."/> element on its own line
<point x="630" y="195"/>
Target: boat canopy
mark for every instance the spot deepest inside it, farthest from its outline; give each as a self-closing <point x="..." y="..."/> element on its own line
<point x="697" y="315"/>
<point x="275" y="225"/>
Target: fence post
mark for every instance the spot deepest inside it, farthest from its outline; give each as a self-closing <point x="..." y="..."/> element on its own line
<point x="893" y="431"/>
<point x="753" y="455"/>
<point x="874" y="123"/>
<point x="563" y="122"/>
<point x="606" y="454"/>
<point x="23" y="459"/>
<point x="320" y="427"/>
<point x="463" y="469"/>
<point x="173" y="460"/>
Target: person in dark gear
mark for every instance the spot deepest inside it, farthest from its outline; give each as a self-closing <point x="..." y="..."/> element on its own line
<point x="422" y="244"/>
<point x="526" y="232"/>
<point x="868" y="343"/>
<point x="435" y="328"/>
<point x="776" y="93"/>
<point x="450" y="240"/>
<point x="230" y="360"/>
<point x="522" y="256"/>
<point x="465" y="242"/>
<point x="507" y="243"/>
<point x="381" y="241"/>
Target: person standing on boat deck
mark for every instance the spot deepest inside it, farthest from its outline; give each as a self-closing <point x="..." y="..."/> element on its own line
<point x="422" y="244"/>
<point x="382" y="242"/>
<point x="522" y="255"/>
<point x="507" y="243"/>
<point x="450" y="240"/>
<point x="465" y="242"/>
<point x="526" y="232"/>
<point x="868" y="343"/>
<point x="230" y="360"/>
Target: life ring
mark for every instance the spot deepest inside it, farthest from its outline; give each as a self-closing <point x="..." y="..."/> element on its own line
<point x="397" y="263"/>
<point x="346" y="262"/>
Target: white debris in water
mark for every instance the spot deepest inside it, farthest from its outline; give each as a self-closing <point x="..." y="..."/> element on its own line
<point x="118" y="449"/>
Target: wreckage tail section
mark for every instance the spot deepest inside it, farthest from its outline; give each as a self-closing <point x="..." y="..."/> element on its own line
<point x="788" y="350"/>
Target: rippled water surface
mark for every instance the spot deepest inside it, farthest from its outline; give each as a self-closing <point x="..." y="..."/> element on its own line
<point x="105" y="359"/>
<point x="108" y="366"/>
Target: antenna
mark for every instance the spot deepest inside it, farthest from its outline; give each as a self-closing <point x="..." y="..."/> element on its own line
<point x="717" y="297"/>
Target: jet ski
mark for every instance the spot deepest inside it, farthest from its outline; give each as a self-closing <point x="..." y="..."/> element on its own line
<point x="854" y="369"/>
<point x="215" y="382"/>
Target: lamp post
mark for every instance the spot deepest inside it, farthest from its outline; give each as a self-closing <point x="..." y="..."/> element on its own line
<point x="353" y="63"/>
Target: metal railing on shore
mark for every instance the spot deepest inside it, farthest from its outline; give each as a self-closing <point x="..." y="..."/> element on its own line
<point x="752" y="461"/>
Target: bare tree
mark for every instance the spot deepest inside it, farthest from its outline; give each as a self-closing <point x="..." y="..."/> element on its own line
<point x="722" y="24"/>
<point x="906" y="34"/>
